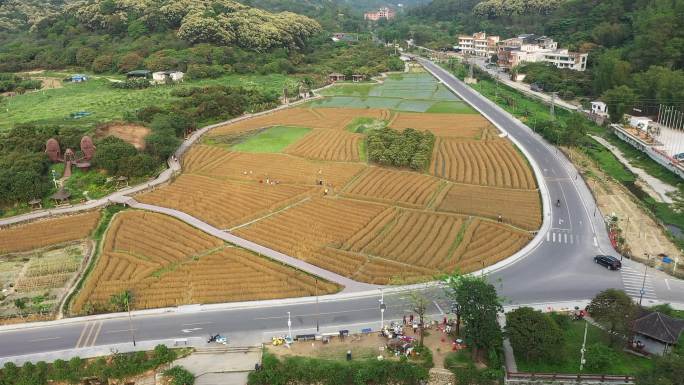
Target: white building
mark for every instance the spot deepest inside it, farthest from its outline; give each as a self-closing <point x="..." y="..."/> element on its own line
<point x="479" y="44"/>
<point x="639" y="122"/>
<point x="532" y="49"/>
<point x="599" y="108"/>
<point x="161" y="77"/>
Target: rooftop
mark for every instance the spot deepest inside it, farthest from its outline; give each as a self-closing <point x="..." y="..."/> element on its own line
<point x="659" y="326"/>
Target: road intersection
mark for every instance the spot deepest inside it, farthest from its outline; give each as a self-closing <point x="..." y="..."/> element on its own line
<point x="556" y="267"/>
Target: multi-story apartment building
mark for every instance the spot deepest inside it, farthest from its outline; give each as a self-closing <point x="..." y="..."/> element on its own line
<point x="479" y="44"/>
<point x="381" y="13"/>
<point x="531" y="48"/>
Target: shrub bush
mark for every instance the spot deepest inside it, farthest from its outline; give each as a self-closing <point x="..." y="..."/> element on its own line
<point x="408" y="148"/>
<point x="180" y="376"/>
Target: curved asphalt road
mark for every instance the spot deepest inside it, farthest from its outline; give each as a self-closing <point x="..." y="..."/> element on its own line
<point x="558" y="268"/>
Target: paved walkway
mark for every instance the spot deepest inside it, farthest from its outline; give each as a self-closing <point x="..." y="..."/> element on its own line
<point x="660" y="187"/>
<point x="349" y="284"/>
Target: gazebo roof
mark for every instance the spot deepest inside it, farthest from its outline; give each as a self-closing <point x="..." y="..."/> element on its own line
<point x="659" y="327"/>
<point x="61" y="195"/>
<point x="335" y="74"/>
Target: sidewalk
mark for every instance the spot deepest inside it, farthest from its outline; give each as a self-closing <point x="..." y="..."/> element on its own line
<point x="660" y="187"/>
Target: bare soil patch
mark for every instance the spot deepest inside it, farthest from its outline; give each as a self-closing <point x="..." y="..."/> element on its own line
<point x="131" y="133"/>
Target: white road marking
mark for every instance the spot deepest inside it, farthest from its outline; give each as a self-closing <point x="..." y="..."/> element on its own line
<point x="120" y="331"/>
<point x="554" y="237"/>
<point x="190" y="330"/>
<point x="441" y="312"/>
<point x="45" y="339"/>
<point x="667" y="283"/>
<point x="548" y="237"/>
<point x="595" y="242"/>
<point x="565" y="238"/>
<point x="198" y="323"/>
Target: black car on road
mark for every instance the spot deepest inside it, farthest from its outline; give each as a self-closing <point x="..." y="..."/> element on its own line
<point x="608" y="261"/>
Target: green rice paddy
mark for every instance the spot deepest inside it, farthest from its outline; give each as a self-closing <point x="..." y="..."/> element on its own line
<point x="273" y="139"/>
<point x="412" y="92"/>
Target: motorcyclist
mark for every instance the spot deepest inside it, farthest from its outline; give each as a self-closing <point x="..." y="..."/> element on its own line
<point x="558" y="203"/>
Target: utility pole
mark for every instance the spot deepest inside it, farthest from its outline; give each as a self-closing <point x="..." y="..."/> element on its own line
<point x="318" y="312"/>
<point x="643" y="283"/>
<point x="553" y="106"/>
<point x="289" y="326"/>
<point x="130" y="319"/>
<point x="382" y="309"/>
<point x="584" y="344"/>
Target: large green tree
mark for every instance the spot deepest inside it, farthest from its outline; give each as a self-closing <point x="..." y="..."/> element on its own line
<point x="620" y="100"/>
<point x="479" y="308"/>
<point x="534" y="335"/>
<point x="615" y="310"/>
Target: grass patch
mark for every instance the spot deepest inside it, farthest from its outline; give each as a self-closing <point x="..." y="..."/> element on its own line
<point x="363" y="152"/>
<point x="53" y="106"/>
<point x="642" y="160"/>
<point x="451" y="108"/>
<point x="622" y="364"/>
<point x="273" y="139"/>
<point x="363" y="124"/>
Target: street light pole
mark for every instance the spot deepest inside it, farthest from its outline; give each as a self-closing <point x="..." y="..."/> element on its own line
<point x="318" y="312"/>
<point x="289" y="326"/>
<point x="584" y="344"/>
<point x="643" y="283"/>
<point x="382" y="309"/>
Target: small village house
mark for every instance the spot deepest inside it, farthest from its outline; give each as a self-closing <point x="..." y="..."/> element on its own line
<point x="655" y="333"/>
<point x="162" y="77"/>
<point x="139" y="74"/>
<point x="335" y="77"/>
<point x="599" y="108"/>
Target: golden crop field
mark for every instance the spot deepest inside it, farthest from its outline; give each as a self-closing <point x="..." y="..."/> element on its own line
<point x="333" y="145"/>
<point x="224" y="203"/>
<point x="47" y="232"/>
<point x="469" y="126"/>
<point x="276" y="167"/>
<point x="165" y="262"/>
<point x="521" y="208"/>
<point x="485" y="243"/>
<point x="414" y="238"/>
<point x="331" y="118"/>
<point x="490" y="163"/>
<point x="306" y="227"/>
<point x="392" y="186"/>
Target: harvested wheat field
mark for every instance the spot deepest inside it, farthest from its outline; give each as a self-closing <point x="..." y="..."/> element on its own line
<point x="312" y="224"/>
<point x="489" y="163"/>
<point x="47" y="232"/>
<point x="131" y="133"/>
<point x="486" y="243"/>
<point x="469" y="126"/>
<point x="414" y="238"/>
<point x="394" y="187"/>
<point x="224" y="204"/>
<point x="330" y="118"/>
<point x="279" y="167"/>
<point x="171" y="263"/>
<point x="333" y="145"/>
<point x="521" y="208"/>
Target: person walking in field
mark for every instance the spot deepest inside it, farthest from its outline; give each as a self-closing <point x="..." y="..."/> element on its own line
<point x="404" y="320"/>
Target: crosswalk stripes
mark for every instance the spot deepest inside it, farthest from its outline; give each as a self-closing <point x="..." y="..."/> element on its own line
<point x="633" y="279"/>
<point x="566" y="237"/>
<point x="89" y="334"/>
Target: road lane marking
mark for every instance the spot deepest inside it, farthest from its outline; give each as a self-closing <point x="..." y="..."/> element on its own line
<point x="197" y="323"/>
<point x="565" y="238"/>
<point x="441" y="312"/>
<point x="45" y="339"/>
<point x="83" y="332"/>
<point x="554" y="237"/>
<point x="119" y="331"/>
<point x="667" y="283"/>
<point x="548" y="236"/>
<point x="97" y="328"/>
